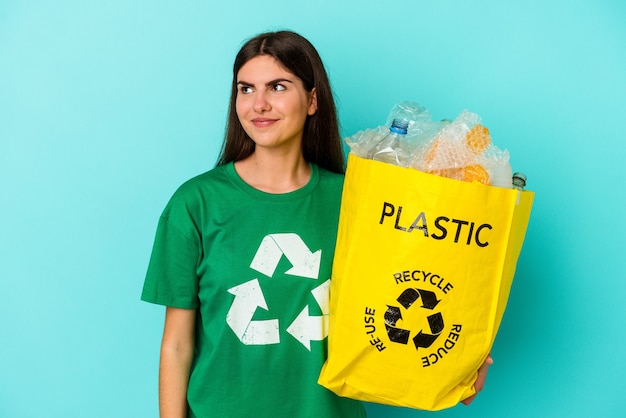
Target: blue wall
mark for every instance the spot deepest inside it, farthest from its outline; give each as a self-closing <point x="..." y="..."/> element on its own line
<point x="107" y="106"/>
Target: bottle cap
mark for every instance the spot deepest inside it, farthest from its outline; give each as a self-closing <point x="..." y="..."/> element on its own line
<point x="519" y="180"/>
<point x="399" y="126"/>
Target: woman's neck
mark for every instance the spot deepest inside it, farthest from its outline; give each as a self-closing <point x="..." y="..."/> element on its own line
<point x="274" y="173"/>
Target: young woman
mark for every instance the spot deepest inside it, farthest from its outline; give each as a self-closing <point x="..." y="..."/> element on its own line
<point x="243" y="253"/>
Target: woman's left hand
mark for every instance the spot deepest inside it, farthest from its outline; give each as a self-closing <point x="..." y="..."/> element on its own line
<point x="480" y="380"/>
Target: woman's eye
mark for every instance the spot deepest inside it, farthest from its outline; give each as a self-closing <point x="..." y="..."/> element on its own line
<point x="279" y="87"/>
<point x="245" y="89"/>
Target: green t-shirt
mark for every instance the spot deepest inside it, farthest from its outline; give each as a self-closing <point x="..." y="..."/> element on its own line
<point x="257" y="267"/>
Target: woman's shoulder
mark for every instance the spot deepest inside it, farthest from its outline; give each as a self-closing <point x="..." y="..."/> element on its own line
<point x="210" y="178"/>
<point x="329" y="177"/>
<point x="199" y="188"/>
<point x="330" y="184"/>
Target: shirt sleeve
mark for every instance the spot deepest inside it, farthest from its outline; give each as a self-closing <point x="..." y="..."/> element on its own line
<point x="172" y="279"/>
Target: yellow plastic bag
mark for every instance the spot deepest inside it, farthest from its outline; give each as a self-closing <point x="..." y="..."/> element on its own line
<point x="421" y="276"/>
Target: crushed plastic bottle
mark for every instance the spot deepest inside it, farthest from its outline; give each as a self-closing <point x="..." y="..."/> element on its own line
<point x="390" y="148"/>
<point x="459" y="149"/>
<point x="501" y="174"/>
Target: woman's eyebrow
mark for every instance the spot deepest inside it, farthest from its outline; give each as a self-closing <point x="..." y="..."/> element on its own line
<point x="277" y="81"/>
<point x="269" y="83"/>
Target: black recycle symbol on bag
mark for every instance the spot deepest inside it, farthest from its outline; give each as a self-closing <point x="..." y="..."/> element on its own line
<point x="394" y="314"/>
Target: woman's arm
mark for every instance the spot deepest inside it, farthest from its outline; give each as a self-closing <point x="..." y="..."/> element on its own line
<point x="177" y="348"/>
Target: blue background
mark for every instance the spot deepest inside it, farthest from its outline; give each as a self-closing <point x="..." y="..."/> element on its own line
<point x="107" y="106"/>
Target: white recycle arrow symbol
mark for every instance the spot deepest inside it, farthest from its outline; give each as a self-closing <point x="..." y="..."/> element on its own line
<point x="307" y="328"/>
<point x="248" y="296"/>
<point x="305" y="263"/>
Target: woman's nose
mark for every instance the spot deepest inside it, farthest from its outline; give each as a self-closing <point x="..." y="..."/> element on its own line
<point x="260" y="103"/>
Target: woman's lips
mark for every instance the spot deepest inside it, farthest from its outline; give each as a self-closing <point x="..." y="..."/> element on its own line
<point x="263" y="122"/>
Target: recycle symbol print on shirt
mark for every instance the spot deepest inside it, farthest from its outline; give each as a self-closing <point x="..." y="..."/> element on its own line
<point x="249" y="295"/>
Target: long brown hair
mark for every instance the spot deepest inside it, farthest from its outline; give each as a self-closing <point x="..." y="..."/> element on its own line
<point x="321" y="142"/>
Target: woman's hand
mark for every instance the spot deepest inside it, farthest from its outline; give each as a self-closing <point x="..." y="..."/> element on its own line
<point x="480" y="380"/>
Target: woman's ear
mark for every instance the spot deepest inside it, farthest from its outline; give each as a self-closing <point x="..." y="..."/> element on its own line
<point x="313" y="103"/>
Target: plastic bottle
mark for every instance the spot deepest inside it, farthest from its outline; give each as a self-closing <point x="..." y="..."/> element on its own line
<point x="389" y="149"/>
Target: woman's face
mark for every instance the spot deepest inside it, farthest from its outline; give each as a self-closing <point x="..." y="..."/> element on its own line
<point x="272" y="103"/>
